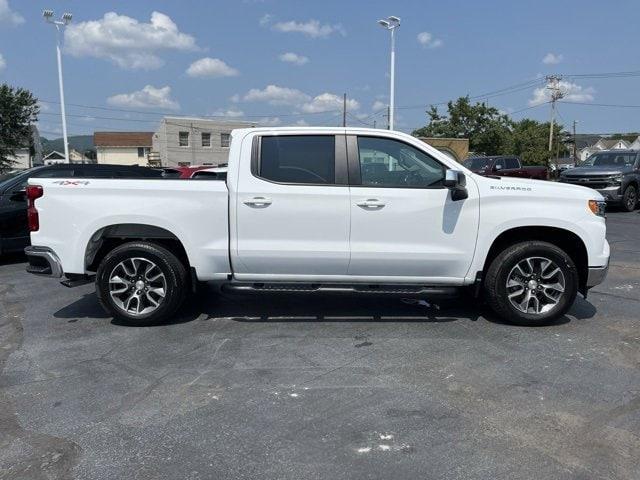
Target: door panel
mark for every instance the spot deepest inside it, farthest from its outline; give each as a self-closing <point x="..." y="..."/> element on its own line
<point x="289" y="228"/>
<point x="410" y="231"/>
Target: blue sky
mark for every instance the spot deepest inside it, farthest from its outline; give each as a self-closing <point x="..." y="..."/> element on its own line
<point x="289" y="61"/>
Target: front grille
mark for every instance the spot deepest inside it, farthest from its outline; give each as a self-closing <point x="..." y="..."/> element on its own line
<point x="591" y="182"/>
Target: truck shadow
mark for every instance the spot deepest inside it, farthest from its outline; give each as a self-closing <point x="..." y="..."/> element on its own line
<point x="275" y="308"/>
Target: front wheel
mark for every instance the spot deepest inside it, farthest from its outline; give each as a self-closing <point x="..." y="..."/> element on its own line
<point x="141" y="283"/>
<point x="630" y="198"/>
<point x="531" y="283"/>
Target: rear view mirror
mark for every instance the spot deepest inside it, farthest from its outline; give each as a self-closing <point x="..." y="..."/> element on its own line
<point x="456" y="181"/>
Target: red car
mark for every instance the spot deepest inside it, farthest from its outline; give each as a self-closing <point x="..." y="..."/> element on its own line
<point x="184" y="172"/>
<point x="505" y="166"/>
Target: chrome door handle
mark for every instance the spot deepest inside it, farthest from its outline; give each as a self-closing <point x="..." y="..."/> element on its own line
<point x="258" y="202"/>
<point x="371" y="203"/>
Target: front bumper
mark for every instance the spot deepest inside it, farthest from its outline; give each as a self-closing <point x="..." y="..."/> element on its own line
<point x="611" y="194"/>
<point x="43" y="261"/>
<point x="597" y="275"/>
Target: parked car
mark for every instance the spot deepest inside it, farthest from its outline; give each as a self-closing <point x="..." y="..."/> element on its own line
<point x="615" y="174"/>
<point x="14" y="234"/>
<point x="504" y="166"/>
<point x="363" y="211"/>
<point x="183" y="172"/>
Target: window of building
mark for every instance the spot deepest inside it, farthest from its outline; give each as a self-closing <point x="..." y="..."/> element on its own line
<point x="183" y="139"/>
<point x="206" y="139"/>
<point x="224" y="139"/>
<point x="389" y="163"/>
<point x="184" y="164"/>
<point x="306" y="159"/>
<point x="143" y="152"/>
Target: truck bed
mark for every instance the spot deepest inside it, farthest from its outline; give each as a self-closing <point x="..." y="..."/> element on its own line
<point x="74" y="211"/>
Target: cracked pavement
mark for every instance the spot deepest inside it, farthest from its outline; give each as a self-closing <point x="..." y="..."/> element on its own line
<point x="320" y="387"/>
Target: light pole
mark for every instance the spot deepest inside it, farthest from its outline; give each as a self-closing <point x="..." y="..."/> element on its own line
<point x="391" y="23"/>
<point x="59" y="24"/>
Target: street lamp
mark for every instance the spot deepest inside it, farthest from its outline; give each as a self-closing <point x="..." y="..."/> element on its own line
<point x="391" y="23"/>
<point x="63" y="22"/>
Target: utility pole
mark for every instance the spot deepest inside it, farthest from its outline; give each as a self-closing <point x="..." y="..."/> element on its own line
<point x="388" y="115"/>
<point x="344" y="109"/>
<point x="60" y="24"/>
<point x="575" y="145"/>
<point x="553" y="84"/>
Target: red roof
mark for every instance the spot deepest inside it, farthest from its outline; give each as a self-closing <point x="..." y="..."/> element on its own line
<point x="122" y="139"/>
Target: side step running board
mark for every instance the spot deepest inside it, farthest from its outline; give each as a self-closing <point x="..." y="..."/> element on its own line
<point x="397" y="290"/>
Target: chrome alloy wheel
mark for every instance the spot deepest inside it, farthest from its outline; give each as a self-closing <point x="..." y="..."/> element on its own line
<point x="137" y="286"/>
<point x="535" y="285"/>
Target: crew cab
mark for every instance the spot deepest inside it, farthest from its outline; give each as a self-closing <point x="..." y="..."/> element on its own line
<point x="361" y="211"/>
<point x="505" y="166"/>
<point x="613" y="173"/>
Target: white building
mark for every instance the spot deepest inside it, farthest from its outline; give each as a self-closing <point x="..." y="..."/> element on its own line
<point x="605" y="144"/>
<point x="30" y="153"/>
<point x="184" y="141"/>
<point x="123" y="148"/>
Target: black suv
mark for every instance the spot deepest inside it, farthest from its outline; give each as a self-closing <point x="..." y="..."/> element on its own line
<point x="613" y="173"/>
<point x="14" y="231"/>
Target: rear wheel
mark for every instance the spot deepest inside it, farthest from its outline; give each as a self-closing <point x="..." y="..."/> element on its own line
<point x="630" y="198"/>
<point x="531" y="283"/>
<point x="141" y="283"/>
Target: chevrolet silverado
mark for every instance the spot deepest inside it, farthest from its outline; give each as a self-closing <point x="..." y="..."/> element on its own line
<point x="358" y="211"/>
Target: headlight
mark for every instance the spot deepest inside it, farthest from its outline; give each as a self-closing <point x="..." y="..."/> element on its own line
<point x="598" y="207"/>
<point x="616" y="179"/>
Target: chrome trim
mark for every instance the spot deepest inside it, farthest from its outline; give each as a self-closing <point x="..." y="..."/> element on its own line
<point x="51" y="258"/>
<point x="597" y="275"/>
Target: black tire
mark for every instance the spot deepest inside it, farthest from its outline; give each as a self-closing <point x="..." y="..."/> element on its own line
<point x="175" y="274"/>
<point x="630" y="198"/>
<point x="495" y="282"/>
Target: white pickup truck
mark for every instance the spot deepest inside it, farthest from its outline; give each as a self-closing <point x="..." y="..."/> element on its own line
<point x="322" y="209"/>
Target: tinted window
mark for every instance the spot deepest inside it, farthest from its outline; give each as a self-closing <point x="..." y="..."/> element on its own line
<point x="499" y="163"/>
<point x="389" y="163"/>
<point x="512" y="163"/>
<point x="298" y="159"/>
<point x="476" y="163"/>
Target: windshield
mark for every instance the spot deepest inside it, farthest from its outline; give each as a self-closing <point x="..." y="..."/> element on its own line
<point x="610" y="159"/>
<point x="476" y="163"/>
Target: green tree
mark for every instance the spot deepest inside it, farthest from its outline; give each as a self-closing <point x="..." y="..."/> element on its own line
<point x="18" y="110"/>
<point x="485" y="127"/>
<point x="529" y="139"/>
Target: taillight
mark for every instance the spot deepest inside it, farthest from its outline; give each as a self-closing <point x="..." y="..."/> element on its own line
<point x="33" y="192"/>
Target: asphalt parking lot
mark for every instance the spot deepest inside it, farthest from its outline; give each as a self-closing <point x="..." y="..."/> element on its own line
<point x="321" y="387"/>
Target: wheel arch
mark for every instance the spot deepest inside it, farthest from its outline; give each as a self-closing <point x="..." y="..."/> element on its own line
<point x="109" y="237"/>
<point x="564" y="239"/>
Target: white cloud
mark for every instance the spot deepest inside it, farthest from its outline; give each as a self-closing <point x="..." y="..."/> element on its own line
<point x="230" y="112"/>
<point x="378" y="106"/>
<point x="148" y="97"/>
<point x="327" y="102"/>
<point x="572" y="92"/>
<point x="9" y="16"/>
<point x="270" y="121"/>
<point x="293" y="58"/>
<point x="301" y="123"/>
<point x="552" y="58"/>
<point x="427" y="41"/>
<point x="212" y="68"/>
<point x="311" y="28"/>
<point x="275" y="95"/>
<point x="3" y="64"/>
<point x="266" y="19"/>
<point x="125" y="41"/>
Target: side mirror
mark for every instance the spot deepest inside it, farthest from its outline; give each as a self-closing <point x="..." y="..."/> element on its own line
<point x="456" y="181"/>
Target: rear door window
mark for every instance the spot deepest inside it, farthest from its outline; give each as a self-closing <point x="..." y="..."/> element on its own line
<point x="298" y="159"/>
